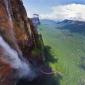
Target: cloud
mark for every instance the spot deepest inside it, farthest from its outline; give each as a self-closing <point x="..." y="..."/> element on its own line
<point x="69" y="11"/>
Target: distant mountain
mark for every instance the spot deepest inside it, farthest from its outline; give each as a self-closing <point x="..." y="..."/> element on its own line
<point x="72" y="26"/>
<point x="71" y="22"/>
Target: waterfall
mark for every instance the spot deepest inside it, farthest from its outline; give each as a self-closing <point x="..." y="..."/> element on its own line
<point x="7" y="6"/>
<point x="14" y="57"/>
<point x="11" y="57"/>
<point x="10" y="22"/>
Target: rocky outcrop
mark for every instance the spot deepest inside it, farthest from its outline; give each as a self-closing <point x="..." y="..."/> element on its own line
<point x="18" y="31"/>
<point x="35" y="20"/>
<point x="26" y="34"/>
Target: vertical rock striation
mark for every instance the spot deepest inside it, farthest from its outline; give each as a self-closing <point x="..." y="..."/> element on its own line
<point x="18" y="31"/>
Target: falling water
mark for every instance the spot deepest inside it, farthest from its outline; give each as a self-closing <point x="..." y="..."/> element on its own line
<point x="11" y="57"/>
<point x="8" y="5"/>
<point x="10" y="22"/>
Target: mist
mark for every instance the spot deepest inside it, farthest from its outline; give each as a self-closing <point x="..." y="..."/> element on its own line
<point x="11" y="57"/>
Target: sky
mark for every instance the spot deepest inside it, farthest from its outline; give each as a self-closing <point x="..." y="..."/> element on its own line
<point x="56" y="9"/>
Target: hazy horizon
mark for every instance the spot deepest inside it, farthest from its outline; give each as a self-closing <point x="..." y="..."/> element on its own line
<point x="56" y="9"/>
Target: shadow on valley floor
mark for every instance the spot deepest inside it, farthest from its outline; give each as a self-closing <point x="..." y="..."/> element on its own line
<point x="53" y="79"/>
<point x="43" y="81"/>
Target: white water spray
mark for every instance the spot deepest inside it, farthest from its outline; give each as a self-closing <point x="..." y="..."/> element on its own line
<point x="10" y="22"/>
<point x="14" y="57"/>
<point x="11" y="57"/>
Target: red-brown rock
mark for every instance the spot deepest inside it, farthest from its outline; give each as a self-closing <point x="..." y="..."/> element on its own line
<point x="18" y="31"/>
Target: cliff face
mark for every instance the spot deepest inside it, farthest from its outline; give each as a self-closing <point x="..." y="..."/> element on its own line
<point x="19" y="32"/>
<point x="25" y="33"/>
